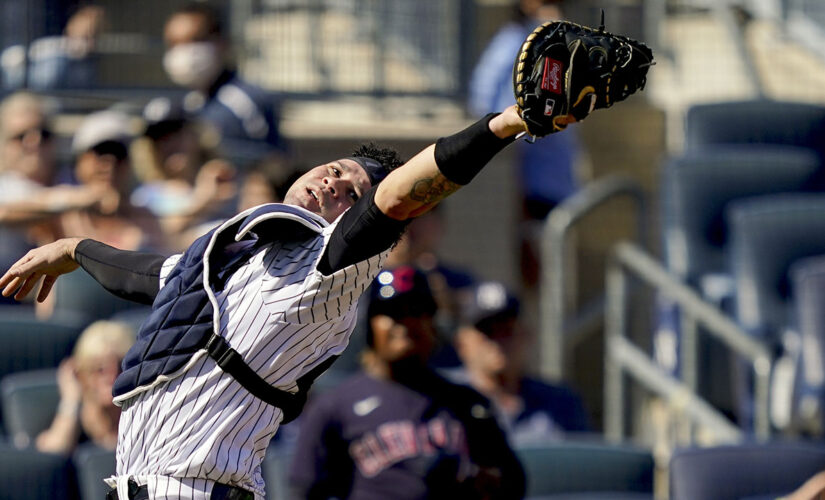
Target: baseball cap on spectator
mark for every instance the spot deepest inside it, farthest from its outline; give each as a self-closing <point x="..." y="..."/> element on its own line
<point x="401" y="292"/>
<point x="106" y="131"/>
<point x="163" y="116"/>
<point x="488" y="303"/>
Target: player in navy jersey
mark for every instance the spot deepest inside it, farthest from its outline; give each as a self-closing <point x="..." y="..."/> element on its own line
<point x="247" y="317"/>
<point x="398" y="430"/>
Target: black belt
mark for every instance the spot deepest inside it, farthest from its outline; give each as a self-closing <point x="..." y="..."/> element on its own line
<point x="219" y="492"/>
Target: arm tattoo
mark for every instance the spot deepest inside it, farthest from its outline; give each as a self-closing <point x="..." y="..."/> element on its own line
<point x="433" y="189"/>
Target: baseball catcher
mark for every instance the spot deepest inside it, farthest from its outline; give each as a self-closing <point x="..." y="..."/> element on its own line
<point x="251" y="313"/>
<point x="564" y="71"/>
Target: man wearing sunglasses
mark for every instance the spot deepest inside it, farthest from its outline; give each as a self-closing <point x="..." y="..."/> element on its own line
<point x="31" y="201"/>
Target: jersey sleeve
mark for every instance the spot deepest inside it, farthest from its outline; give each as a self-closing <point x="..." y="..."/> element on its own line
<point x="360" y="233"/>
<point x="129" y="275"/>
<point x="353" y="253"/>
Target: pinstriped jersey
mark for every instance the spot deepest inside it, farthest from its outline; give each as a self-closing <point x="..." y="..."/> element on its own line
<point x="285" y="318"/>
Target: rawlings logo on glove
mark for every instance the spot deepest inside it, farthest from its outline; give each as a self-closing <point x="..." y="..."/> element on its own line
<point x="564" y="71"/>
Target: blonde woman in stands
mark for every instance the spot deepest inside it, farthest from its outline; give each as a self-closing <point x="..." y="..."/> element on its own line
<point x="86" y="412"/>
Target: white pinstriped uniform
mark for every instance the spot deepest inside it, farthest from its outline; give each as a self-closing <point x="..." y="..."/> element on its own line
<point x="285" y="318"/>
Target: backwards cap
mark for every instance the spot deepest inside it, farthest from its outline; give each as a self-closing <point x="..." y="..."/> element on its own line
<point x="374" y="169"/>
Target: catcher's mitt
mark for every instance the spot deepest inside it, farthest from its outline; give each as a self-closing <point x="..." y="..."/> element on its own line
<point x="564" y="71"/>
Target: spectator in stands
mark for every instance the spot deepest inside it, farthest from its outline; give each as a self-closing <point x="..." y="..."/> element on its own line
<point x="65" y="61"/>
<point x="420" y="248"/>
<point x="86" y="412"/>
<point x="100" y="145"/>
<point x="28" y="168"/>
<point x="548" y="167"/>
<point x="197" y="57"/>
<point x="492" y="344"/>
<point x="398" y="430"/>
<point x="184" y="184"/>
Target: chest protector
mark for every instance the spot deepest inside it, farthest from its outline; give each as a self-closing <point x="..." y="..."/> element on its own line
<point x="183" y="320"/>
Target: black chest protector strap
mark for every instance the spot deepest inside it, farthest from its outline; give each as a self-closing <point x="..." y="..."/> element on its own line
<point x="232" y="363"/>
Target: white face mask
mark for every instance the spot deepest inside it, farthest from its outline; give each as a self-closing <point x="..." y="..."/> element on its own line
<point x="194" y="65"/>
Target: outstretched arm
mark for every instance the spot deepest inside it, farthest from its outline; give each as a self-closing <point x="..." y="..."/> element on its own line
<point x="444" y="167"/>
<point x="129" y="275"/>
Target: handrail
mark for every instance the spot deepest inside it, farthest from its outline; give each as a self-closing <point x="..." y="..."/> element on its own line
<point x="553" y="322"/>
<point x="629" y="257"/>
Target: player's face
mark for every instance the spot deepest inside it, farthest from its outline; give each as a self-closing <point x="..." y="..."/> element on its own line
<point x="328" y="190"/>
<point x="402" y="338"/>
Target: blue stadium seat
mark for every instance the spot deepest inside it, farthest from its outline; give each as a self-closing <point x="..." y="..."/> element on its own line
<point x="745" y="471"/>
<point x="808" y="401"/>
<point x="29" y="401"/>
<point x="587" y="470"/>
<point x="755" y="122"/>
<point x="33" y="475"/>
<point x="31" y="344"/>
<point x="696" y="190"/>
<point x="768" y="234"/>
<point x="93" y="465"/>
<point x="80" y="294"/>
<point x="697" y="187"/>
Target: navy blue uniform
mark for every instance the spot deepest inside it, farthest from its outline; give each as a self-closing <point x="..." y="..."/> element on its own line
<point x="371" y="439"/>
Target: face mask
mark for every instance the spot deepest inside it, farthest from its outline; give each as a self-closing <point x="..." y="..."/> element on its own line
<point x="193" y="65"/>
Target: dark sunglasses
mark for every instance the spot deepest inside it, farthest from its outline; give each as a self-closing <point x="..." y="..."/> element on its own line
<point x="114" y="148"/>
<point x="45" y="134"/>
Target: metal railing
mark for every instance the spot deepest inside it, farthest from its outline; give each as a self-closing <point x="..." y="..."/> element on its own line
<point x="559" y="329"/>
<point x="621" y="356"/>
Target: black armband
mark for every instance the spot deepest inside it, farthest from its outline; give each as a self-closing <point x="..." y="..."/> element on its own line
<point x="461" y="156"/>
<point x="132" y="276"/>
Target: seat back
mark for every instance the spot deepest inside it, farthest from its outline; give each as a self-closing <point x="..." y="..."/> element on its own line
<point x="768" y="234"/>
<point x="755" y="122"/>
<point x="29" y="474"/>
<point x="573" y="467"/>
<point x="742" y="471"/>
<point x="93" y="465"/>
<point x="32" y="344"/>
<point x="81" y="294"/>
<point x="29" y="401"/>
<point x="697" y="188"/>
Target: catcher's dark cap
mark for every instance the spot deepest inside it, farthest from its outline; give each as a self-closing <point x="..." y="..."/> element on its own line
<point x="374" y="169"/>
<point x="488" y="303"/>
<point x="163" y="116"/>
<point x="400" y="293"/>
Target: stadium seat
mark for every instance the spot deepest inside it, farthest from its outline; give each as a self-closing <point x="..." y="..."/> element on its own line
<point x="33" y="475"/>
<point x="745" y="471"/>
<point x="587" y="470"/>
<point x="29" y="400"/>
<point x="768" y="234"/>
<point x="93" y="465"/>
<point x="81" y="294"/>
<point x="697" y="187"/>
<point x="32" y="344"/>
<point x="755" y="122"/>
